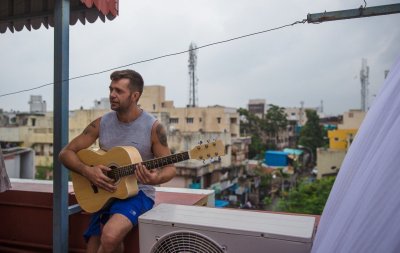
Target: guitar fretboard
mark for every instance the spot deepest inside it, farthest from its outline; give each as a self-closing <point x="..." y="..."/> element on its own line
<point x="127" y="170"/>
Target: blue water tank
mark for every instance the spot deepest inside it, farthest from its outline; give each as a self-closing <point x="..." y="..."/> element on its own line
<point x="276" y="158"/>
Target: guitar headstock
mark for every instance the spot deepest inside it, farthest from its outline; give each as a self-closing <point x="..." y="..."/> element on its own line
<point x="210" y="149"/>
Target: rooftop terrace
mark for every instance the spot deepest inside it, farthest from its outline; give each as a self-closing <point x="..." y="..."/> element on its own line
<point x="26" y="212"/>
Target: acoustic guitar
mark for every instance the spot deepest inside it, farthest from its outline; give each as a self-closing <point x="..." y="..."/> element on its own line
<point x="123" y="161"/>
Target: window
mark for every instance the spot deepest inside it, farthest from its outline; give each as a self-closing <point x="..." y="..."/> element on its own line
<point x="233" y="120"/>
<point x="200" y="119"/>
<point x="219" y="120"/>
<point x="33" y="120"/>
<point x="174" y="120"/>
<point x="154" y="107"/>
<point x="336" y="139"/>
<point x="351" y="115"/>
<point x="189" y="120"/>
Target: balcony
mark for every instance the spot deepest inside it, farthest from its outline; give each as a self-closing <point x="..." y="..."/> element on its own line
<point x="27" y="226"/>
<point x="26" y="211"/>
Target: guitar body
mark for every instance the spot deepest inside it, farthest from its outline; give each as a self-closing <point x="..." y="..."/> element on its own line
<point x="92" y="198"/>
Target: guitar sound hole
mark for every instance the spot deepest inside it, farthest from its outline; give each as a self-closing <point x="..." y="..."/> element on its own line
<point x="95" y="189"/>
<point x="113" y="174"/>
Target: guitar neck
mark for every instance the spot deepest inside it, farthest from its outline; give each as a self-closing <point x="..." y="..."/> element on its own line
<point x="150" y="164"/>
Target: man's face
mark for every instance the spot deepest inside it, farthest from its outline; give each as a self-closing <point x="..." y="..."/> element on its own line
<point x="121" y="97"/>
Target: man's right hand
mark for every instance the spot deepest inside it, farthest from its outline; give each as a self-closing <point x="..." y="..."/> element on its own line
<point x="97" y="175"/>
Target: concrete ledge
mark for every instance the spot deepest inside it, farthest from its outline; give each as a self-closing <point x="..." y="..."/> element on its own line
<point x="27" y="216"/>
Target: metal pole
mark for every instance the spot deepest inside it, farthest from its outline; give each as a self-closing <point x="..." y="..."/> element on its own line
<point x="60" y="125"/>
<point x="353" y="13"/>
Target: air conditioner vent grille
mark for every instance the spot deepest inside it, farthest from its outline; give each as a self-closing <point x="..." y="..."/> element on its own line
<point x="186" y="242"/>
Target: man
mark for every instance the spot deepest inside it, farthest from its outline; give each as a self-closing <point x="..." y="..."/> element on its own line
<point x="126" y="125"/>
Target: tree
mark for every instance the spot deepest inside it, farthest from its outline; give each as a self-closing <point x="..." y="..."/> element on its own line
<point x="275" y="121"/>
<point x="307" y="197"/>
<point x="311" y="135"/>
<point x="250" y="124"/>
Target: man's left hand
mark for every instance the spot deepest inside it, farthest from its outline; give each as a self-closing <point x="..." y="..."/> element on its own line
<point x="146" y="176"/>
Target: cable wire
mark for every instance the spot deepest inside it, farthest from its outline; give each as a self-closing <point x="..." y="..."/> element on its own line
<point x="160" y="57"/>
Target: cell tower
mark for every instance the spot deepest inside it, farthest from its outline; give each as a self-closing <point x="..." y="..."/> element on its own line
<point x="364" y="78"/>
<point x="193" y="97"/>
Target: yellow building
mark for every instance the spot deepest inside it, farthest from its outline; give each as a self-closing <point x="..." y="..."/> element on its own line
<point x="329" y="160"/>
<point x="341" y="139"/>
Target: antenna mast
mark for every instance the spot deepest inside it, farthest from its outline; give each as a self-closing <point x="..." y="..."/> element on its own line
<point x="364" y="75"/>
<point x="193" y="97"/>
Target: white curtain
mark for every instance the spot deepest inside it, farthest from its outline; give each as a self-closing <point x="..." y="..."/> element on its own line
<point x="362" y="213"/>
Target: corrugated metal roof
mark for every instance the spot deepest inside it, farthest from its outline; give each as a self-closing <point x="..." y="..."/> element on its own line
<point x="17" y="14"/>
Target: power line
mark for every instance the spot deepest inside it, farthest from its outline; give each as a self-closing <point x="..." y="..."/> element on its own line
<point x="159" y="57"/>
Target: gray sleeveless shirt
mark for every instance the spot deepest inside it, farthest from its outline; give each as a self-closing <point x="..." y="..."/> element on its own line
<point x="136" y="133"/>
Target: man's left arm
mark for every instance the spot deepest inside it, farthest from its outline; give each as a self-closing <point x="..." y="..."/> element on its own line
<point x="160" y="149"/>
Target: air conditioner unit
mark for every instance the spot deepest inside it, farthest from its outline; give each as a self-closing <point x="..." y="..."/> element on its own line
<point x="169" y="228"/>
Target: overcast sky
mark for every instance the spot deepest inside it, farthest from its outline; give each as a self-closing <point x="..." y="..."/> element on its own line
<point x="305" y="62"/>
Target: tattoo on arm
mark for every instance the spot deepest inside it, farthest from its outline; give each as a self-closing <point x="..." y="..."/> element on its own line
<point x="162" y="135"/>
<point x="87" y="129"/>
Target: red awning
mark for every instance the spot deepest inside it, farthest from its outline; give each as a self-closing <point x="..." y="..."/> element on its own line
<point x="17" y="14"/>
<point x="105" y="6"/>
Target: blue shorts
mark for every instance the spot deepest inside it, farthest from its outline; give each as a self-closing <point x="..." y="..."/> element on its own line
<point x="131" y="208"/>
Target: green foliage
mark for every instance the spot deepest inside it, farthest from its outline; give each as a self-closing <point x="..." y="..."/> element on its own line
<point x="267" y="201"/>
<point x="44" y="172"/>
<point x="311" y="134"/>
<point x="263" y="132"/>
<point x="308" y="197"/>
<point x="257" y="147"/>
<point x="275" y="120"/>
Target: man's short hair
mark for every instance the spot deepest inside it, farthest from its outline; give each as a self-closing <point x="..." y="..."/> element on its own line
<point x="135" y="79"/>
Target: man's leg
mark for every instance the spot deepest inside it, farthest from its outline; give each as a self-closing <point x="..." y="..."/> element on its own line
<point x="113" y="234"/>
<point x="93" y="244"/>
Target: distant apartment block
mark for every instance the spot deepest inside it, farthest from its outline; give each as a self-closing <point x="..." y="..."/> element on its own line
<point x="187" y="126"/>
<point x="258" y="107"/>
<point x="352" y="119"/>
<point x="37" y="104"/>
<point x="341" y="139"/>
<point x="330" y="159"/>
<point x="297" y="114"/>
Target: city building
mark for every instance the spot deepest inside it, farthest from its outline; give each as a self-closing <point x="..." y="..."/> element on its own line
<point x="258" y="107"/>
<point x="352" y="119"/>
<point x="330" y="159"/>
